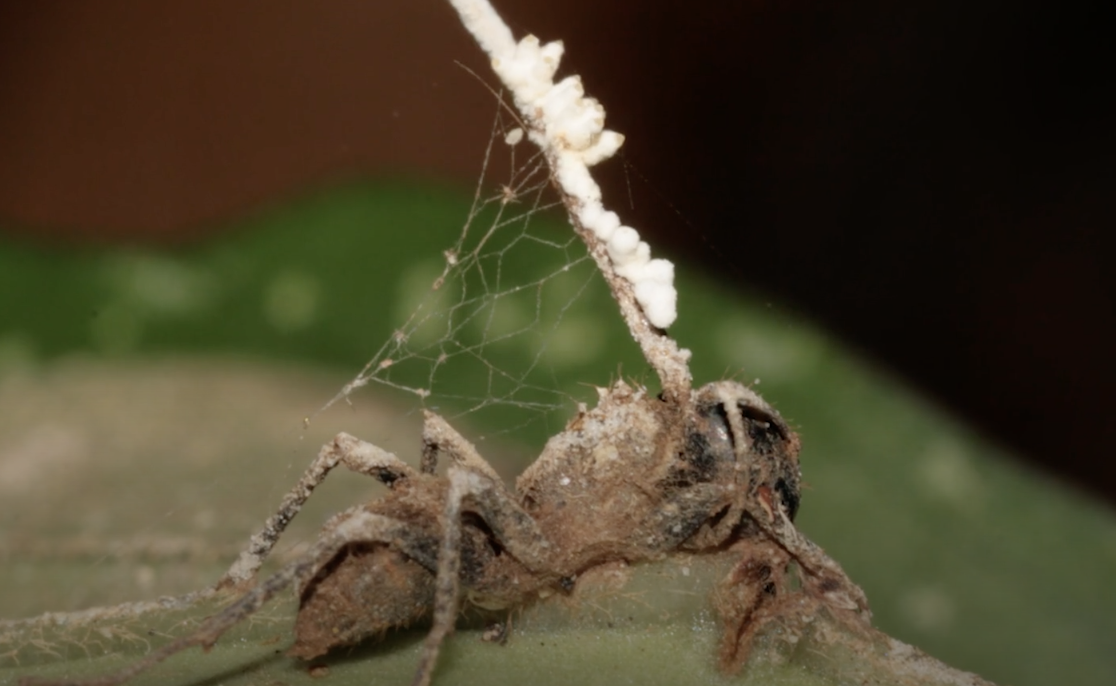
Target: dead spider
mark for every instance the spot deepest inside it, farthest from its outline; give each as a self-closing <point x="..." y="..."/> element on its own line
<point x="635" y="479"/>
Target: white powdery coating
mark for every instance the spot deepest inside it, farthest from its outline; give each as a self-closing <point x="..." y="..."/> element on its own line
<point x="569" y="127"/>
<point x="601" y="221"/>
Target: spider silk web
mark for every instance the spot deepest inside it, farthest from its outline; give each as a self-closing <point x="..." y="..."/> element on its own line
<point x="503" y="329"/>
<point x="512" y="324"/>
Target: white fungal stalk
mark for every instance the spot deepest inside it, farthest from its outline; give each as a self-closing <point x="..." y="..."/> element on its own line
<point x="569" y="128"/>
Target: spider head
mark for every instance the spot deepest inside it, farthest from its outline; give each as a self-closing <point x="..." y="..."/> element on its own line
<point x="735" y="436"/>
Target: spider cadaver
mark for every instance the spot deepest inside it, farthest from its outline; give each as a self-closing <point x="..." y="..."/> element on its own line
<point x="633" y="480"/>
<point x="636" y="479"/>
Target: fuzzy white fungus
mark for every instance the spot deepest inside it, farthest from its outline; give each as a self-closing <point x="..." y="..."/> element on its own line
<point x="569" y="127"/>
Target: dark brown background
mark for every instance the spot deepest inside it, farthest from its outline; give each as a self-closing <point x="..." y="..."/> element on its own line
<point x="931" y="180"/>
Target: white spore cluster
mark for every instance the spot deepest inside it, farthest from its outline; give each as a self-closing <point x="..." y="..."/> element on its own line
<point x="569" y="127"/>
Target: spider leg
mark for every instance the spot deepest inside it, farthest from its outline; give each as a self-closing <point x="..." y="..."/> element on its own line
<point x="438" y="437"/>
<point x="357" y="525"/>
<point x="748" y="598"/>
<point x="349" y="451"/>
<point x="686" y="522"/>
<point x="511" y="526"/>
<point x="446" y="583"/>
<point x="823" y="574"/>
<point x="516" y="530"/>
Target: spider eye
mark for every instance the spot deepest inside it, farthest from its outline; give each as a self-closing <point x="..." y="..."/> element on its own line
<point x="718" y="428"/>
<point x="709" y="443"/>
<point x="765" y="431"/>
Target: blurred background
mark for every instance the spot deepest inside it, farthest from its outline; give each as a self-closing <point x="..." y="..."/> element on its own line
<point x="931" y="182"/>
<point x="927" y="183"/>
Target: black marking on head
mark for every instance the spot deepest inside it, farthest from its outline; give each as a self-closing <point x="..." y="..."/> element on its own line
<point x="765" y="430"/>
<point x="709" y="445"/>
